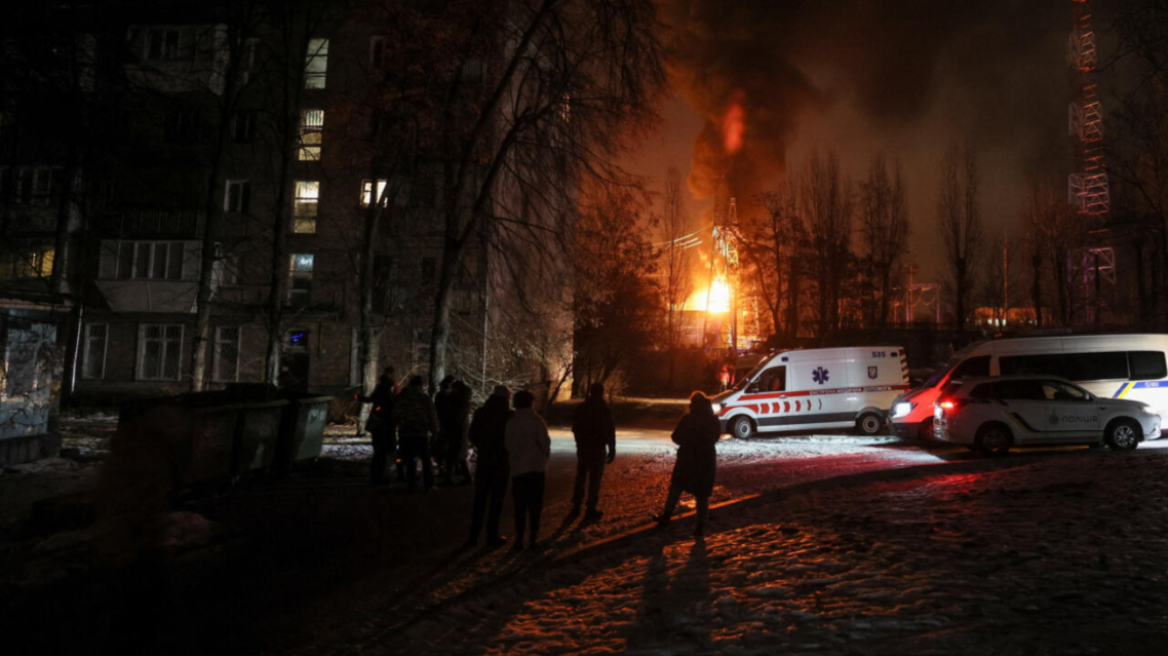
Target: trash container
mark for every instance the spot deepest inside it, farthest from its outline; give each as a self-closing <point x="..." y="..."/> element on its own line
<point x="301" y="430"/>
<point x="257" y="430"/>
<point x="194" y="436"/>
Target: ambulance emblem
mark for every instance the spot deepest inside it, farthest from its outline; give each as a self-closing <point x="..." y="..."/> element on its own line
<point x="819" y="375"/>
<point x="872" y="373"/>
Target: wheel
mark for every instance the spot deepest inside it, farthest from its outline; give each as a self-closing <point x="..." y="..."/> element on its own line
<point x="869" y="423"/>
<point x="926" y="434"/>
<point x="1123" y="435"/>
<point x="742" y="427"/>
<point x="994" y="440"/>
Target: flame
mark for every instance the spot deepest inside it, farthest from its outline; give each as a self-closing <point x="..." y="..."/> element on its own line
<point x="733" y="126"/>
<point x="719" y="296"/>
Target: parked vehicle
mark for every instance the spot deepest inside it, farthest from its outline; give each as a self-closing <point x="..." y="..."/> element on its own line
<point x="1107" y="366"/>
<point x="815" y="389"/>
<point x="992" y="415"/>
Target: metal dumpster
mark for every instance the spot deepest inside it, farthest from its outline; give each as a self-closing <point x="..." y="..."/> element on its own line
<point x="194" y="439"/>
<point x="256" y="432"/>
<point x="301" y="430"/>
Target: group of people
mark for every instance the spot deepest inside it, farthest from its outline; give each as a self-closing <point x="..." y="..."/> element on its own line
<point x="513" y="447"/>
<point x="418" y="428"/>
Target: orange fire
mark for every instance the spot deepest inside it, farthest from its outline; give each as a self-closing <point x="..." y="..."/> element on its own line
<point x="719" y="296"/>
<point x="733" y="126"/>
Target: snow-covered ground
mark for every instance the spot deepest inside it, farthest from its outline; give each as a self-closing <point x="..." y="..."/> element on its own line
<point x="1061" y="556"/>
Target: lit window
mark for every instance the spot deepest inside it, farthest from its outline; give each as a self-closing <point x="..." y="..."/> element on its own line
<point x="311" y="131"/>
<point x="238" y="196"/>
<point x="226" y="354"/>
<point x="316" y="64"/>
<point x="400" y="194"/>
<point x="93" y="364"/>
<point x="376" y="51"/>
<point x="35" y="262"/>
<point x="300" y="283"/>
<point x="367" y="190"/>
<point x="160" y="351"/>
<point x="304" y="206"/>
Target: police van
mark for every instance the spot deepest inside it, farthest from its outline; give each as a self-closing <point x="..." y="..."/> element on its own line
<point x="815" y="389"/>
<point x="1108" y="366"/>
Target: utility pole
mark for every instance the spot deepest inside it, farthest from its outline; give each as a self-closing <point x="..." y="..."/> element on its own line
<point x="1005" y="277"/>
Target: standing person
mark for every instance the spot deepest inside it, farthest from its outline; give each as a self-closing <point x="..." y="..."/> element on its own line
<point x="528" y="449"/>
<point x="381" y="422"/>
<point x="416" y="423"/>
<point x="455" y="448"/>
<point x="697" y="459"/>
<point x="444" y="408"/>
<point x="724" y="378"/>
<point x="487" y="434"/>
<point x="595" y="433"/>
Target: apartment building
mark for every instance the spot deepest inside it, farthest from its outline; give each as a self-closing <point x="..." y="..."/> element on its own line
<point x="280" y="195"/>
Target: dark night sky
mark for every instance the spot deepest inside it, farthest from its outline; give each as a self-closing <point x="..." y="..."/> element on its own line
<point x="906" y="76"/>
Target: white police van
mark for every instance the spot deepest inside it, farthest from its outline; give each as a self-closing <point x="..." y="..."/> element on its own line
<point x="814" y="389"/>
<point x="1109" y="366"/>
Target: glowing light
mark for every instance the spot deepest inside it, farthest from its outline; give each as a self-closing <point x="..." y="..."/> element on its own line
<point x="719" y="296"/>
<point x="733" y="126"/>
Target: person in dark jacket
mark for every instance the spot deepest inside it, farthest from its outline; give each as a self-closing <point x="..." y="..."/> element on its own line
<point x="595" y="434"/>
<point x="488" y="435"/>
<point x="416" y="423"/>
<point x="455" y="434"/>
<point x="697" y="459"/>
<point x="381" y="423"/>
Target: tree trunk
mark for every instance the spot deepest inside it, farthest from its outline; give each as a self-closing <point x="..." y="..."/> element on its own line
<point x="368" y="333"/>
<point x="440" y="333"/>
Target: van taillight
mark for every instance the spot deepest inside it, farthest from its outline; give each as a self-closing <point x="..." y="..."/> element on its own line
<point x="949" y="404"/>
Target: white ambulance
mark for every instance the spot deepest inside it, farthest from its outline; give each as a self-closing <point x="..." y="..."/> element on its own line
<point x="815" y="389"/>
<point x="1131" y="367"/>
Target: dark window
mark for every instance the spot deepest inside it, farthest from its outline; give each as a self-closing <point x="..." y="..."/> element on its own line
<point x="972" y="368"/>
<point x="1110" y="365"/>
<point x="1147" y="365"/>
<point x="179" y="125"/>
<point x="1050" y="364"/>
<point x="1020" y="390"/>
<point x="984" y="391"/>
<point x="243" y="128"/>
<point x="428" y="269"/>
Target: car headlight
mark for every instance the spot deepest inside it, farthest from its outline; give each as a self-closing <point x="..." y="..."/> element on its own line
<point x="902" y="409"/>
<point x="717" y="407"/>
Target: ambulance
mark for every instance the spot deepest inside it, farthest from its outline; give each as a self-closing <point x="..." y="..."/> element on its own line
<point x="815" y="389"/>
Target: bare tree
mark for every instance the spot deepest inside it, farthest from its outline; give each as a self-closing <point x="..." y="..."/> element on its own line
<point x="232" y="44"/>
<point x="959" y="223"/>
<point x="884" y="225"/>
<point x="574" y="86"/>
<point x="829" y="205"/>
<point x="678" y="259"/>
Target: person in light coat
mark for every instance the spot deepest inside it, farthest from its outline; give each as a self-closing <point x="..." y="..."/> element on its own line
<point x="528" y="450"/>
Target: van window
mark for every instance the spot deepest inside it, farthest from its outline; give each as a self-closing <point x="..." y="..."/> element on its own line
<point x="1108" y="365"/>
<point x="1147" y="365"/>
<point x="1020" y="390"/>
<point x="771" y="380"/>
<point x="972" y="368"/>
<point x="1048" y="364"/>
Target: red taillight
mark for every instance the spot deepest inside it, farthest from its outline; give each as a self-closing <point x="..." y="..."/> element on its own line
<point x="948" y="405"/>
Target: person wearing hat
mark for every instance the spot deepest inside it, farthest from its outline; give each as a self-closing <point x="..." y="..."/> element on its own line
<point x="595" y="434"/>
<point x="416" y="423"/>
<point x="488" y="436"/>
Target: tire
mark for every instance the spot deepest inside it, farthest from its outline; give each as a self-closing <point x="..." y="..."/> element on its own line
<point x="1123" y="435"/>
<point x="869" y="423"/>
<point x="994" y="439"/>
<point x="742" y="427"/>
<point x="926" y="434"/>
